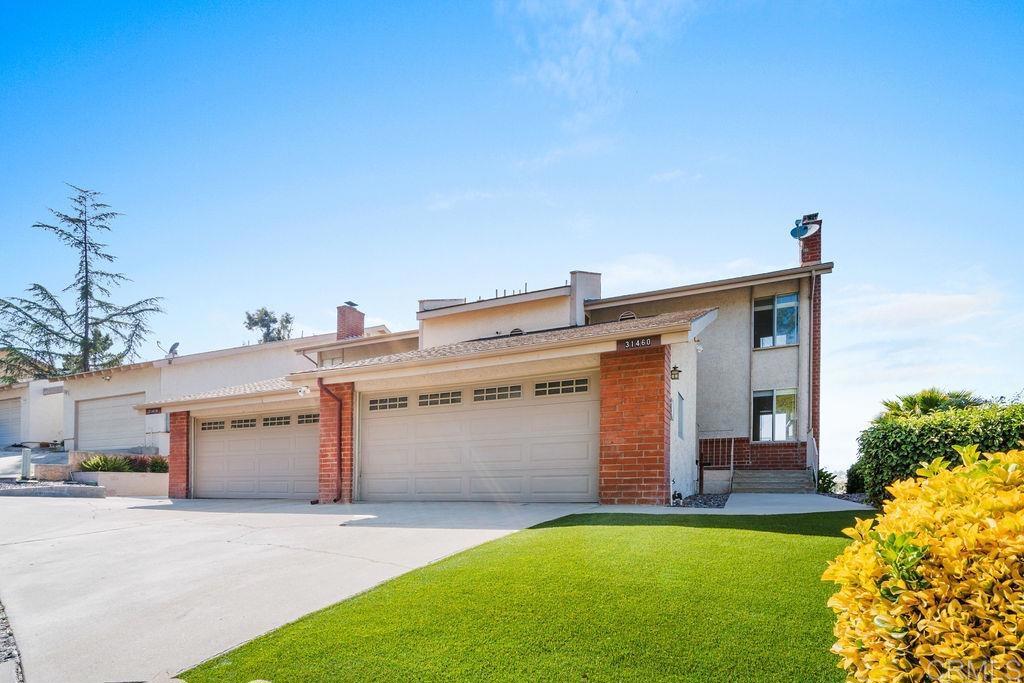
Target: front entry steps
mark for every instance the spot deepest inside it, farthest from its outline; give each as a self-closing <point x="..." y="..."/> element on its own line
<point x="773" y="481"/>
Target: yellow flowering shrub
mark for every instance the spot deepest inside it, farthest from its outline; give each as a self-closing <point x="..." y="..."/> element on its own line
<point x="933" y="588"/>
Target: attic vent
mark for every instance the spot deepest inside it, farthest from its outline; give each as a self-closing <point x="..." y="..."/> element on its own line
<point x="627" y="315"/>
<point x="517" y="331"/>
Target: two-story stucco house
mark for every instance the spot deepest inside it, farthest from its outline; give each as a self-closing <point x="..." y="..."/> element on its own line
<point x="557" y="394"/>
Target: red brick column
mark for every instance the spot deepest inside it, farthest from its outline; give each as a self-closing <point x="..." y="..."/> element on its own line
<point x="636" y="417"/>
<point x="178" y="460"/>
<point x="335" y="482"/>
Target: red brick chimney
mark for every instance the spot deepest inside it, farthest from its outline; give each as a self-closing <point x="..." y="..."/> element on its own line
<point x="350" y="322"/>
<point x="810" y="246"/>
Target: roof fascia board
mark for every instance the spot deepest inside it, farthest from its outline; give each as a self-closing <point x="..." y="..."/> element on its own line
<point x="360" y="341"/>
<point x="483" y="304"/>
<point x="240" y="398"/>
<point x="714" y="286"/>
<point x="513" y="355"/>
<point x="246" y="402"/>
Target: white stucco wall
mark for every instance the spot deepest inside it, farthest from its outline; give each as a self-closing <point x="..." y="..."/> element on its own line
<point x="141" y="380"/>
<point x="528" y="316"/>
<point x="185" y="375"/>
<point x="683" y="450"/>
<point x="45" y="412"/>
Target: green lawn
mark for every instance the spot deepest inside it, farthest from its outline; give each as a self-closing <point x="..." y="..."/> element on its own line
<point x="597" y="597"/>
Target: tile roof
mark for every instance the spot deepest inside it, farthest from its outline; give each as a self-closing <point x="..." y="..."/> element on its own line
<point x="568" y="334"/>
<point x="262" y="387"/>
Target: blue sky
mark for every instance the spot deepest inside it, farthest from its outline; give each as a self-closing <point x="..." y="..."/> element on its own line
<point x="296" y="155"/>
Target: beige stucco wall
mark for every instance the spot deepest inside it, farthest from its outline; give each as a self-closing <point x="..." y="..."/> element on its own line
<point x="354" y="353"/>
<point x="683" y="451"/>
<point x="728" y="369"/>
<point x="528" y="316"/>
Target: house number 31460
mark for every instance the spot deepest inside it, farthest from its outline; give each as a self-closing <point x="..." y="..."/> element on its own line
<point x="640" y="343"/>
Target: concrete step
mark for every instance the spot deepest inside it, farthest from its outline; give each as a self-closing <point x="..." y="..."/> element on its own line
<point x="773" y="481"/>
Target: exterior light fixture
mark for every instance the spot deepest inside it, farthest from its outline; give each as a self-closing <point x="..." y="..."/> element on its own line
<point x="675" y="372"/>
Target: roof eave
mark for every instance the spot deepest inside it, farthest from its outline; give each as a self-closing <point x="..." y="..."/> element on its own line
<point x="307" y="375"/>
<point x="713" y="285"/>
<point x="359" y="341"/>
<point x="212" y="399"/>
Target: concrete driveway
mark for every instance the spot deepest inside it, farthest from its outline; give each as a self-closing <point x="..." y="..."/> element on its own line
<point x="129" y="589"/>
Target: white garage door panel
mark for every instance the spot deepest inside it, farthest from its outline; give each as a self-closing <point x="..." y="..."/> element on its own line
<point x="10" y="422"/>
<point x="111" y="423"/>
<point x="527" y="449"/>
<point x="256" y="462"/>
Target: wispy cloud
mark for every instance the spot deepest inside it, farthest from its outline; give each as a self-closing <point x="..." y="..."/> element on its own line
<point x="580" y="149"/>
<point x="880" y="343"/>
<point x="577" y="49"/>
<point x="675" y="175"/>
<point x="642" y="271"/>
<point x="446" y="202"/>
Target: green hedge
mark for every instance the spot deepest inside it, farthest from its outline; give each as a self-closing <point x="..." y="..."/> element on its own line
<point x="892" y="449"/>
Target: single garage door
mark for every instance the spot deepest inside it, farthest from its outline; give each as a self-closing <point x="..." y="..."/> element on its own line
<point x="273" y="455"/>
<point x="523" y="440"/>
<point x="111" y="423"/>
<point x="10" y="422"/>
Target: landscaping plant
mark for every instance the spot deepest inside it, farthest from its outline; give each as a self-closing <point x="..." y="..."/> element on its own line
<point x="933" y="588"/>
<point x="158" y="464"/>
<point x="826" y="482"/>
<point x="855" y="478"/>
<point x="891" y="449"/>
<point x="107" y="463"/>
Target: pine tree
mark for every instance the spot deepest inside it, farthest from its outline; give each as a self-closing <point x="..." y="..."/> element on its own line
<point x="42" y="337"/>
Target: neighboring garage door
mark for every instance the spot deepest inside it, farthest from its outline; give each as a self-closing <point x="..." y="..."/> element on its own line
<point x="10" y="422"/>
<point x="111" y="423"/>
<point x="273" y="455"/>
<point x="523" y="440"/>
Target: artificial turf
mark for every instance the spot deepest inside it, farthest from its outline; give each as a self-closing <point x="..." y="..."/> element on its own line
<point x="600" y="597"/>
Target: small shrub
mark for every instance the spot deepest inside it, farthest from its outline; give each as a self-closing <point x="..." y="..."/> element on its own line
<point x="855" y="478"/>
<point x="139" y="463"/>
<point x="826" y="482"/>
<point x="106" y="463"/>
<point x="891" y="449"/>
<point x="932" y="589"/>
<point x="158" y="464"/>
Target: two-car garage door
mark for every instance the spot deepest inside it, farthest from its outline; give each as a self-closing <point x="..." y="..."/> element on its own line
<point x="273" y="455"/>
<point x="525" y="441"/>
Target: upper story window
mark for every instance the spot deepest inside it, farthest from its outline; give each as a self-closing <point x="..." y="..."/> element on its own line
<point x="774" y="415"/>
<point x="775" y="320"/>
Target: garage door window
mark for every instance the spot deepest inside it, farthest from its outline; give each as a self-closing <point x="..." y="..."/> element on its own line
<point x="212" y="425"/>
<point x="309" y="418"/>
<point x="244" y="423"/>
<point x="561" y="386"/>
<point x="441" y="398"/>
<point x="277" y="421"/>
<point x="390" y="403"/>
<point x="498" y="393"/>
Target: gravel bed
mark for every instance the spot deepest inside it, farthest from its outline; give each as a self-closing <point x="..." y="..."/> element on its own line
<point x="861" y="498"/>
<point x="708" y="500"/>
<point x="8" y="648"/>
<point x="10" y="484"/>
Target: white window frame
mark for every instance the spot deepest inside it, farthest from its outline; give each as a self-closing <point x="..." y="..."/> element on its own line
<point x="563" y="387"/>
<point x="774" y="306"/>
<point x="775" y="412"/>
